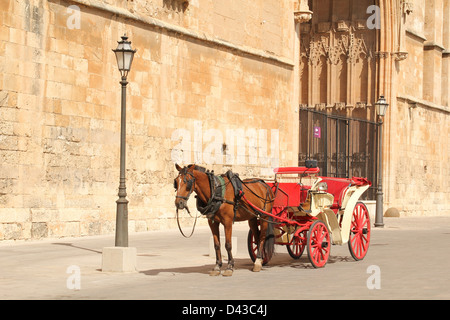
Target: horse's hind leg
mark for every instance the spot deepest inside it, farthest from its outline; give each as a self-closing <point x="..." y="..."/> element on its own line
<point x="253" y="223"/>
<point x="215" y="231"/>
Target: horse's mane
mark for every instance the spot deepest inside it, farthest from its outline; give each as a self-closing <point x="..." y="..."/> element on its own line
<point x="196" y="167"/>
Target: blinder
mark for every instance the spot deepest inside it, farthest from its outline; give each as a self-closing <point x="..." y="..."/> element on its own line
<point x="189" y="183"/>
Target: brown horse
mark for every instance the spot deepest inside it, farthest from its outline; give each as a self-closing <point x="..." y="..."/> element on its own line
<point x="195" y="179"/>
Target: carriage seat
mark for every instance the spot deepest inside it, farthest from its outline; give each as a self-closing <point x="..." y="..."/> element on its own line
<point x="290" y="194"/>
<point x="337" y="187"/>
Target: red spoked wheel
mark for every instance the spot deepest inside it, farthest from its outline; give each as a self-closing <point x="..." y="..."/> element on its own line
<point x="318" y="243"/>
<point x="359" y="240"/>
<point x="253" y="249"/>
<point x="297" y="246"/>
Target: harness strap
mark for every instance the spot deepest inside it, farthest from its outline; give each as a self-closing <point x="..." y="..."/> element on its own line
<point x="218" y="188"/>
<point x="222" y="185"/>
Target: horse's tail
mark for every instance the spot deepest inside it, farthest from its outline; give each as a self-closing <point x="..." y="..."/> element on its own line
<point x="269" y="243"/>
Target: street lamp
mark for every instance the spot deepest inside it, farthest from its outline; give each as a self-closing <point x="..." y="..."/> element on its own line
<point x="381" y="106"/>
<point x="124" y="55"/>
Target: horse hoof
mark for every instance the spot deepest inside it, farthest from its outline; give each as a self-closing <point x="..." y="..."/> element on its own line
<point x="214" y="273"/>
<point x="228" y="273"/>
<point x="257" y="267"/>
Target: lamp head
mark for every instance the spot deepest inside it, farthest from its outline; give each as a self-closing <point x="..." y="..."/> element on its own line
<point x="381" y="106"/>
<point x="124" y="55"/>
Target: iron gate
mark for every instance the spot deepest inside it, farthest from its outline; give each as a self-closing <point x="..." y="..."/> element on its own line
<point x="343" y="147"/>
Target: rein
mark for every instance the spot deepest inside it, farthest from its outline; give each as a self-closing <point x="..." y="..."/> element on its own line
<point x="193" y="227"/>
<point x="191" y="186"/>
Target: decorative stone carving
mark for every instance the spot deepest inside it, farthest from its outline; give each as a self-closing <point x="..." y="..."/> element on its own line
<point x="337" y="61"/>
<point x="408" y="7"/>
<point x="342" y="26"/>
<point x="360" y="24"/>
<point x="356" y="48"/>
<point x="340" y="105"/>
<point x="382" y="54"/>
<point x="347" y="45"/>
<point x="315" y="51"/>
<point x="303" y="14"/>
<point x="361" y="105"/>
<point x="321" y="106"/>
<point x="400" y="56"/>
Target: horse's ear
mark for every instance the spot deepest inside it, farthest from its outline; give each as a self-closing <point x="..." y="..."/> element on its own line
<point x="178" y="167"/>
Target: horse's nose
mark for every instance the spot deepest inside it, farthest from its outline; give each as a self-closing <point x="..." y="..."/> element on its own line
<point x="180" y="204"/>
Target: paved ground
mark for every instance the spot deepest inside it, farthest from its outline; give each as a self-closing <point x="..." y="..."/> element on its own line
<point x="410" y="255"/>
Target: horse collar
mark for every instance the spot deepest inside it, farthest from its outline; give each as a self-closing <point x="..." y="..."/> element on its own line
<point x="217" y="198"/>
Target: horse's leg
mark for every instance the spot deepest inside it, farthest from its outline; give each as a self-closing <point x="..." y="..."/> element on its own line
<point x="262" y="238"/>
<point x="215" y="232"/>
<point x="228" y="233"/>
<point x="253" y="224"/>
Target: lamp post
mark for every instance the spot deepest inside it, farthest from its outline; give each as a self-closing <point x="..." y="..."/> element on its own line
<point x="124" y="55"/>
<point x="381" y="106"/>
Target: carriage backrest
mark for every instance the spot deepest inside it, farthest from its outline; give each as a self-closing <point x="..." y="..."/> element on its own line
<point x="289" y="194"/>
<point x="337" y="187"/>
<point x="292" y="194"/>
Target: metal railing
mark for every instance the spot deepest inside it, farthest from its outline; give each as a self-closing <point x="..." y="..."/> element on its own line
<point x="344" y="147"/>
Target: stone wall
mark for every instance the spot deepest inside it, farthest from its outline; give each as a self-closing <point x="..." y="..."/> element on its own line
<point x="223" y="65"/>
<point x="417" y="168"/>
<point x="420" y="170"/>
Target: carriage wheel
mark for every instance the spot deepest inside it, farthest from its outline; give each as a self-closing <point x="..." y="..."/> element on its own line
<point x="358" y="243"/>
<point x="318" y="243"/>
<point x="297" y="246"/>
<point x="253" y="248"/>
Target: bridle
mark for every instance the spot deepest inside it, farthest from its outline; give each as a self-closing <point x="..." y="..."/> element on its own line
<point x="190" y="184"/>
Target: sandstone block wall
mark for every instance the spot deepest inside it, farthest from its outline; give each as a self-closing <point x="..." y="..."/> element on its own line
<point x="418" y="169"/>
<point x="219" y="64"/>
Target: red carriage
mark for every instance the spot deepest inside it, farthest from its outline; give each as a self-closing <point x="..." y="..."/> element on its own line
<point x="312" y="212"/>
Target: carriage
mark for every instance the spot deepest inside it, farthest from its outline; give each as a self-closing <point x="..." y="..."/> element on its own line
<point x="313" y="212"/>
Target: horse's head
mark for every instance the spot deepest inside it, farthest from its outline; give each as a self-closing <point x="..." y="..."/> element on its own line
<point x="184" y="185"/>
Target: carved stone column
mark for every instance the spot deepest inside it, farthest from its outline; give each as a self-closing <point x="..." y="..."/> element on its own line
<point x="405" y="10"/>
<point x="303" y="14"/>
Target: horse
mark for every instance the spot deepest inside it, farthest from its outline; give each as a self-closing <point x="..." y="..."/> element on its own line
<point x="194" y="178"/>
